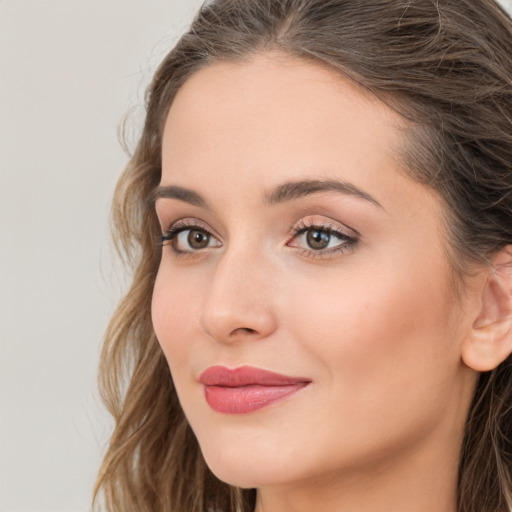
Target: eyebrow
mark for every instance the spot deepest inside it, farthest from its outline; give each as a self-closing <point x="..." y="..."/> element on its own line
<point x="297" y="189"/>
<point x="180" y="193"/>
<point x="280" y="194"/>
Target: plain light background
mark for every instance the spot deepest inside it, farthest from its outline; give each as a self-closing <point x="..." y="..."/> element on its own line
<point x="69" y="71"/>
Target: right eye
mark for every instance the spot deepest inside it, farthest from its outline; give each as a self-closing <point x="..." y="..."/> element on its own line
<point x="189" y="239"/>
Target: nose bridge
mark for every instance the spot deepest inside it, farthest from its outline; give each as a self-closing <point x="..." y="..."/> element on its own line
<point x="239" y="302"/>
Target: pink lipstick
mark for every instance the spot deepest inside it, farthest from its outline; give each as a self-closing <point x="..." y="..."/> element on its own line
<point x="246" y="389"/>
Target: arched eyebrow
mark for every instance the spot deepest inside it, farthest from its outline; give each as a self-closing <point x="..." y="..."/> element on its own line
<point x="297" y="189"/>
<point x="286" y="192"/>
<point x="179" y="193"/>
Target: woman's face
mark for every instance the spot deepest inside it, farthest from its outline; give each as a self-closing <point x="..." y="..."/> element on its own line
<point x="294" y="244"/>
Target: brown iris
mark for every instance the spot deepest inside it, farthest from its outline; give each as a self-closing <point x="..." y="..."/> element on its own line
<point x="318" y="239"/>
<point x="198" y="239"/>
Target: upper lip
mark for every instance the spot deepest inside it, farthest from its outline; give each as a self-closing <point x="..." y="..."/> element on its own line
<point x="246" y="376"/>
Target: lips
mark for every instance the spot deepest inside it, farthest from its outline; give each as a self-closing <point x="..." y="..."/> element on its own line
<point x="246" y="389"/>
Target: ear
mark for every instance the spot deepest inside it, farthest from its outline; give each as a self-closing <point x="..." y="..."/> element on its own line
<point x="490" y="340"/>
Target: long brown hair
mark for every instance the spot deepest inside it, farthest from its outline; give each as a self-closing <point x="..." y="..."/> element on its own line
<point x="446" y="66"/>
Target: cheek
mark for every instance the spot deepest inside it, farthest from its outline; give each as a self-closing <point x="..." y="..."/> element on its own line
<point x="174" y="308"/>
<point x="174" y="305"/>
<point x="389" y="325"/>
<point x="384" y="352"/>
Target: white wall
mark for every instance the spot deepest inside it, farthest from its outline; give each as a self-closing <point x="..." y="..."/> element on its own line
<point x="69" y="69"/>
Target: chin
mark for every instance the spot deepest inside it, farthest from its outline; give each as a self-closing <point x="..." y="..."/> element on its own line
<point x="245" y="470"/>
<point x="239" y="476"/>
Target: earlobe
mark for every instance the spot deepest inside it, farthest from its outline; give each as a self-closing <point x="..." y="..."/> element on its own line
<point x="490" y="340"/>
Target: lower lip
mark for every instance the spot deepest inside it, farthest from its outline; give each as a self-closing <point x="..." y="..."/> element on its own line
<point x="244" y="399"/>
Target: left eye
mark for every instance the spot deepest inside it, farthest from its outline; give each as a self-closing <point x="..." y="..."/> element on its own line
<point x="321" y="239"/>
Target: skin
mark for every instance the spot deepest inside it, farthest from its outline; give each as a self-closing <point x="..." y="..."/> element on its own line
<point x="375" y="326"/>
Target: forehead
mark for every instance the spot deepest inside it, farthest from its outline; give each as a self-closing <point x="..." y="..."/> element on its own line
<point x="276" y="95"/>
<point x="275" y="118"/>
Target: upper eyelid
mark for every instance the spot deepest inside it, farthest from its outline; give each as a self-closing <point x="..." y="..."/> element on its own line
<point x="189" y="223"/>
<point x="176" y="230"/>
<point x="336" y="232"/>
<point x="329" y="224"/>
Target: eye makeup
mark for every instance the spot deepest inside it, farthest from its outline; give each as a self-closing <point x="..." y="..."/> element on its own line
<point x="319" y="239"/>
<point x="312" y="238"/>
<point x="191" y="233"/>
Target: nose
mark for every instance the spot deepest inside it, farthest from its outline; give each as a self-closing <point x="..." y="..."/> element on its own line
<point x="239" y="302"/>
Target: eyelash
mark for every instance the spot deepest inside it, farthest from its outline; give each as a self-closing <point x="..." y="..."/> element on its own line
<point x="347" y="242"/>
<point x="169" y="237"/>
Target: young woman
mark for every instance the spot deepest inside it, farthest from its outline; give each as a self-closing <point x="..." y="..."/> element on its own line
<point x="319" y="218"/>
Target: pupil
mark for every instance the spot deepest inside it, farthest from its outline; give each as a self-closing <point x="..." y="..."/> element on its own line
<point x="198" y="239"/>
<point x="318" y="239"/>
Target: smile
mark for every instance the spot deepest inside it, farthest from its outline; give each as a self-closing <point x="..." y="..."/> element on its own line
<point x="246" y="389"/>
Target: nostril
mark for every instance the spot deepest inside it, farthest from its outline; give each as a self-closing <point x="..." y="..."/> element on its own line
<point x="243" y="330"/>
